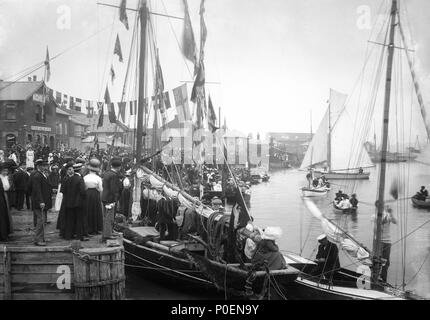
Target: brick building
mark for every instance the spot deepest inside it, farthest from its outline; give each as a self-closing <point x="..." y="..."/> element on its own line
<point x="27" y="114"/>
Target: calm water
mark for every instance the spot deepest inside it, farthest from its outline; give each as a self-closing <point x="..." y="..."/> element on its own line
<point x="278" y="203"/>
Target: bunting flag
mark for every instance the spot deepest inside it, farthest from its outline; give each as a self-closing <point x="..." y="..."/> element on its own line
<point x="112" y="116"/>
<point x="90" y="109"/>
<point x="100" y="107"/>
<point x="123" y="13"/>
<point x="112" y="73"/>
<point x="181" y="101"/>
<point x="188" y="42"/>
<point x="78" y="104"/>
<point x="211" y="116"/>
<point x="121" y="108"/>
<point x="117" y="49"/>
<point x="47" y="66"/>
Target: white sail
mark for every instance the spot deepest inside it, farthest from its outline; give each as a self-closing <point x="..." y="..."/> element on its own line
<point x="347" y="149"/>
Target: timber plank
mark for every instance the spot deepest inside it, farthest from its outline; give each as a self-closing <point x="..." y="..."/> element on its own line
<point x="43" y="296"/>
<point x="38" y="268"/>
<point x="35" y="278"/>
<point x="41" y="258"/>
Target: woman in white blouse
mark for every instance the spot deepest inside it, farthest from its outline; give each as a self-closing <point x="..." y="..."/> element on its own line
<point x="94" y="188"/>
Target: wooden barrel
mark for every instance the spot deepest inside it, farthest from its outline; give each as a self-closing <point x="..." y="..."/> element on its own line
<point x="99" y="274"/>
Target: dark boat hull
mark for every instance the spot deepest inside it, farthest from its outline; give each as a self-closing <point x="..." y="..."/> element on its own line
<point x="169" y="267"/>
<point x="345" y="211"/>
<point x="420" y="204"/>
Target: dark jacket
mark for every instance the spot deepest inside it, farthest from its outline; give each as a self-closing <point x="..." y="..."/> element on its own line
<point x="41" y="191"/>
<point x="330" y="252"/>
<point x="112" y="187"/>
<point x="73" y="189"/>
<point x="54" y="179"/>
<point x="21" y="180"/>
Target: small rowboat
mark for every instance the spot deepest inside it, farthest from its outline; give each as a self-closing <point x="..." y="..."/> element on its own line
<point x="339" y="209"/>
<point x="314" y="192"/>
<point x="420" y="203"/>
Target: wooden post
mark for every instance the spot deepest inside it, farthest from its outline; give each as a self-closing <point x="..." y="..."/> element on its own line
<point x="7" y="275"/>
<point x="99" y="274"/>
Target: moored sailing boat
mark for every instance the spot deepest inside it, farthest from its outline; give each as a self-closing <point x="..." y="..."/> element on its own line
<point x="330" y="150"/>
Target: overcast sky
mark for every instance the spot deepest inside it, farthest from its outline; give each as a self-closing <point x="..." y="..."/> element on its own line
<point x="275" y="60"/>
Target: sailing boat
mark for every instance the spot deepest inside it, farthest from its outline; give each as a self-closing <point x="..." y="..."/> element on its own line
<point x="330" y="150"/>
<point x="365" y="282"/>
<point x="205" y="253"/>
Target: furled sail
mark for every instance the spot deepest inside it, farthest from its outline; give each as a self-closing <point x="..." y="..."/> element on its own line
<point x="347" y="150"/>
<point x="336" y="235"/>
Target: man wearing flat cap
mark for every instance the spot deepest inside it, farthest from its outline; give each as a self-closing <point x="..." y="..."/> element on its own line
<point x="41" y="198"/>
<point x="112" y="188"/>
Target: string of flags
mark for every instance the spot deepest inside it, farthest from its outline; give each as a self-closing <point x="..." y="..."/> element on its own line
<point x="180" y="99"/>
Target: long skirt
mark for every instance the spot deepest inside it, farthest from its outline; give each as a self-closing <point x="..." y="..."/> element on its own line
<point x="61" y="218"/>
<point x="124" y="202"/>
<point x="5" y="221"/>
<point x="94" y="211"/>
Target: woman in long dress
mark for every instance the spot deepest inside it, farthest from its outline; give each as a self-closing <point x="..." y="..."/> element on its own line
<point x="93" y="205"/>
<point x="5" y="217"/>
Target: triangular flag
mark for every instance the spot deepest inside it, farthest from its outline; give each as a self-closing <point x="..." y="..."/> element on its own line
<point x="117" y="49"/>
<point x="47" y="66"/>
<point x="100" y="107"/>
<point x="203" y="30"/>
<point x="107" y="96"/>
<point x="123" y="13"/>
<point x="199" y="82"/>
<point x="112" y="73"/>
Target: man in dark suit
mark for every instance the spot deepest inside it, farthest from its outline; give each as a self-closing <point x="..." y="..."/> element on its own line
<point x="112" y="188"/>
<point x="74" y="199"/>
<point x="327" y="258"/>
<point x="30" y="172"/>
<point x="41" y="198"/>
<point x="20" y="181"/>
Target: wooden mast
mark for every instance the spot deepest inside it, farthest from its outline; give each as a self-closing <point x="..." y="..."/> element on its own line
<point x="377" y="248"/>
<point x="143" y="16"/>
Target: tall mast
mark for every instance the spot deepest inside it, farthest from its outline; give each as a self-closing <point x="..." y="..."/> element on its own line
<point x="329" y="140"/>
<point x="143" y="16"/>
<point x="377" y="252"/>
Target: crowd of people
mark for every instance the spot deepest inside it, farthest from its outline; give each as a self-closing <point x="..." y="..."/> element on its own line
<point x="86" y="189"/>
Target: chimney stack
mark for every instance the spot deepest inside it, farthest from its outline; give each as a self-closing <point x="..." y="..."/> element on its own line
<point x="34" y="78"/>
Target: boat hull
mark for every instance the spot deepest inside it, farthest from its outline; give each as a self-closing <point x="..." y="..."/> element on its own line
<point x="343" y="175"/>
<point x="345" y="211"/>
<point x="309" y="192"/>
<point x="167" y="267"/>
<point x="420" y="204"/>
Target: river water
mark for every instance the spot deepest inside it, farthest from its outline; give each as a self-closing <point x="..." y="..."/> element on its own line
<point x="279" y="203"/>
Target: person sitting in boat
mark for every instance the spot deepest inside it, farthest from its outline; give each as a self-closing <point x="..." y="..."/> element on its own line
<point x="267" y="252"/>
<point x="309" y="178"/>
<point x="353" y="201"/>
<point x="339" y="195"/>
<point x="422" y="195"/>
<point x="360" y="170"/>
<point x="315" y="183"/>
<point x="327" y="258"/>
<point x="344" y="204"/>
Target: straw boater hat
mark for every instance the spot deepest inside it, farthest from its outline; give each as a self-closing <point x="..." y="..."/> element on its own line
<point x="116" y="163"/>
<point x="77" y="167"/>
<point x="40" y="162"/>
<point x="94" y="165"/>
<point x="271" y="233"/>
<point x="321" y="237"/>
<point x="69" y="164"/>
<point x="216" y="200"/>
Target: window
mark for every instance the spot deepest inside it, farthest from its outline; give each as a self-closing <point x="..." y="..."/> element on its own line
<point x="10" y="112"/>
<point x="59" y="128"/>
<point x="78" y="130"/>
<point x="38" y="113"/>
<point x="65" y="128"/>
